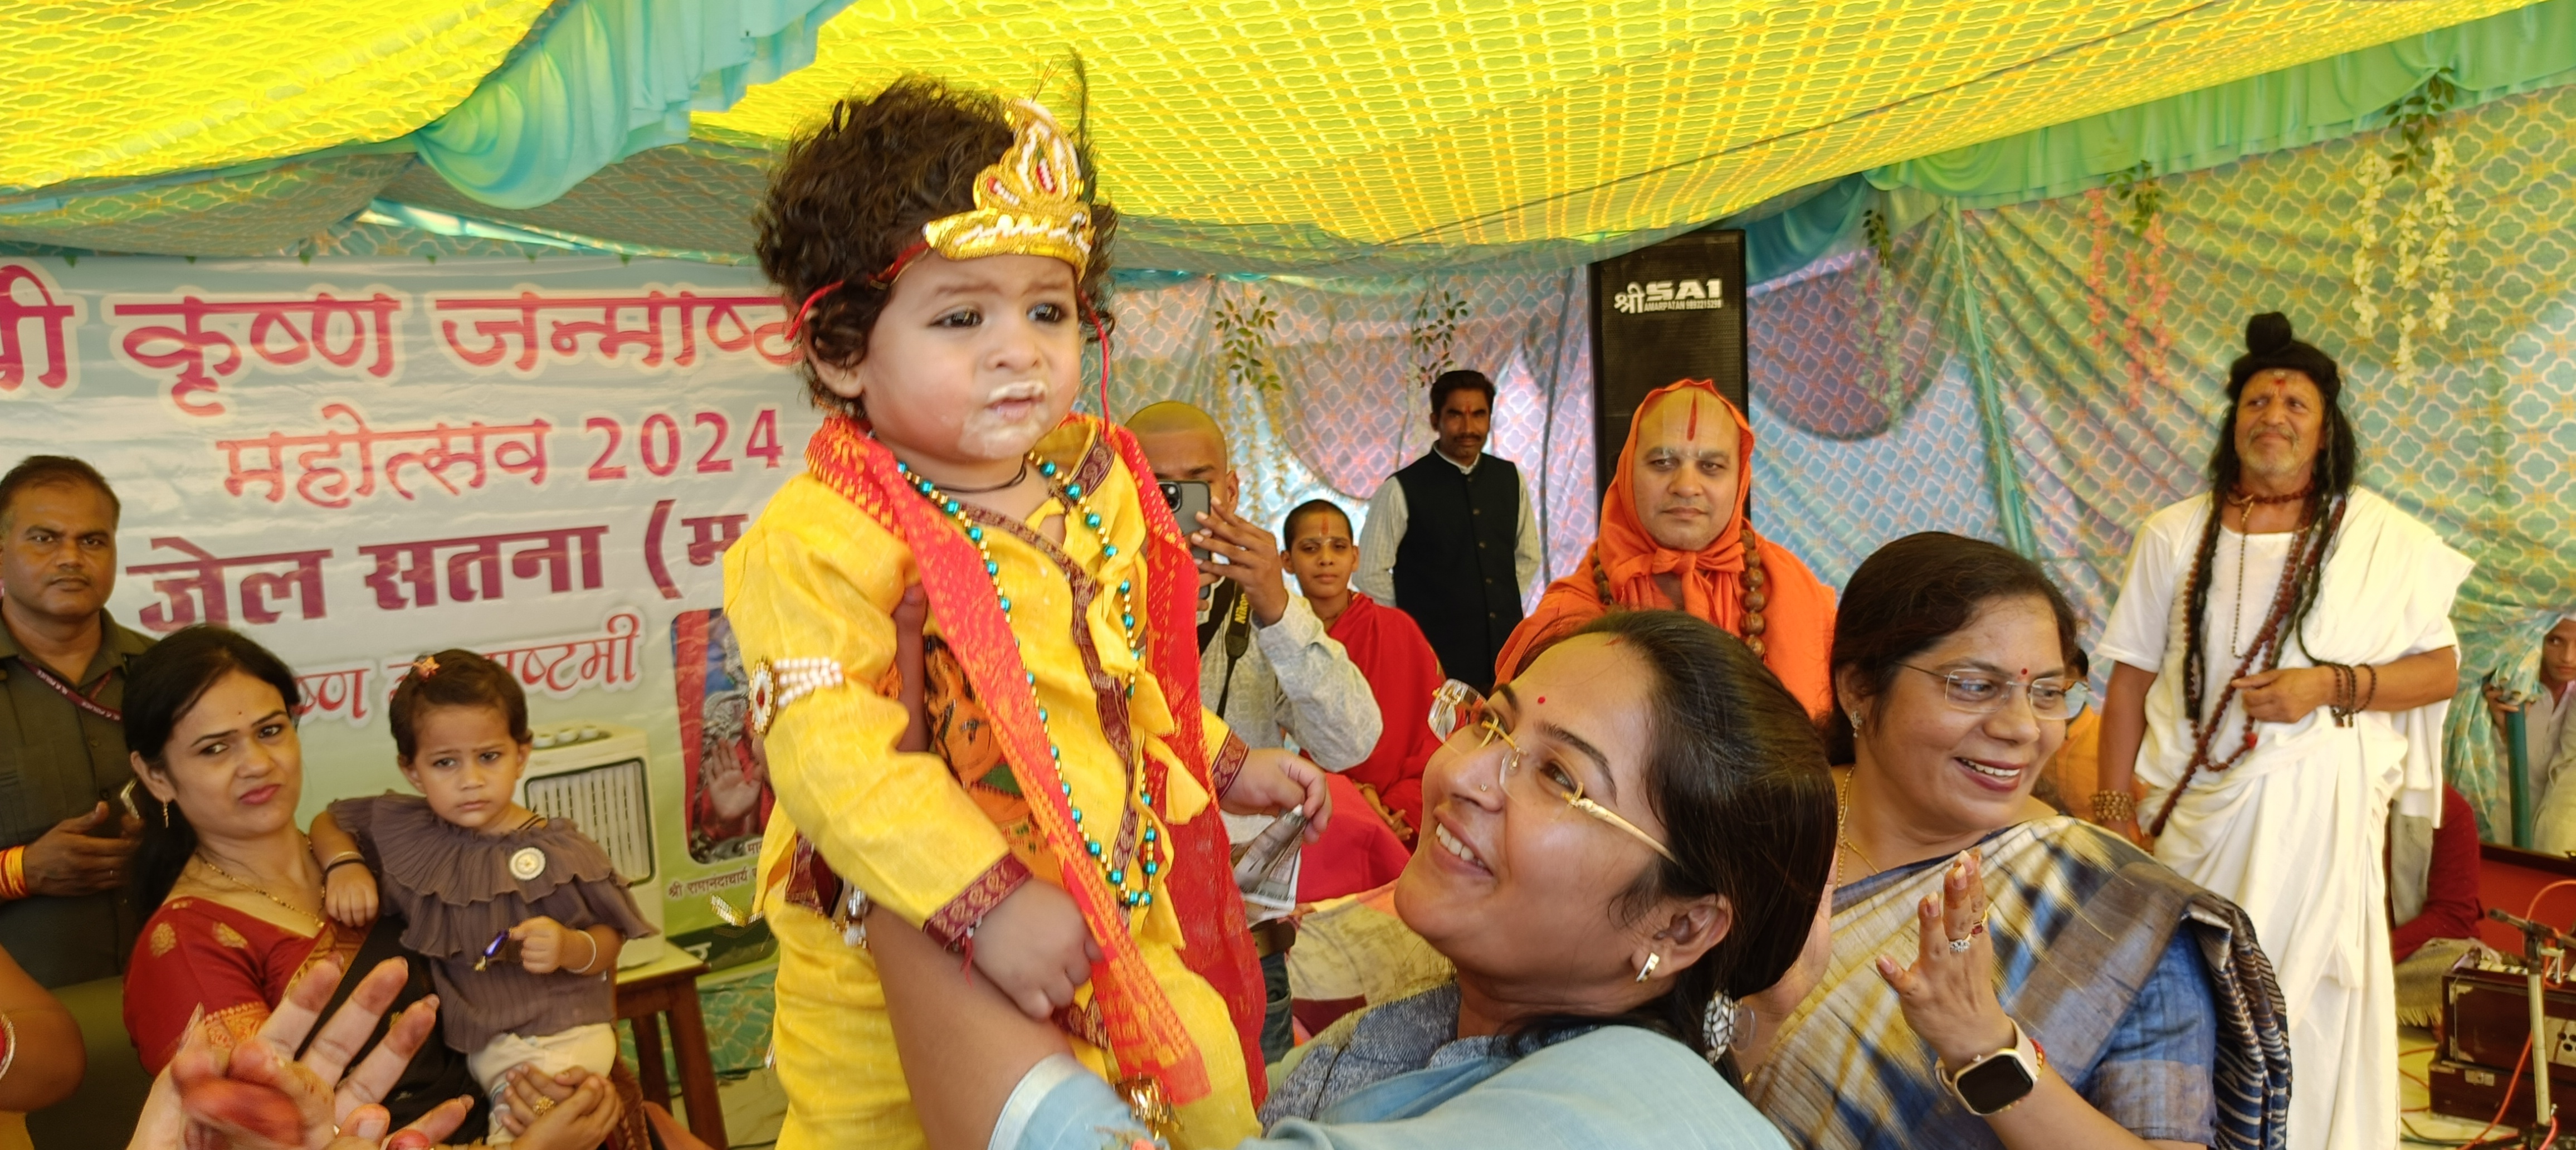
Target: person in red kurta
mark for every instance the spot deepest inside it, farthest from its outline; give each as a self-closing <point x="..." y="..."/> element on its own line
<point x="1674" y="537"/>
<point x="2433" y="873"/>
<point x="1389" y="650"/>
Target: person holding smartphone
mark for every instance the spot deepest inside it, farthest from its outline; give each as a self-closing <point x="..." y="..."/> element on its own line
<point x="1266" y="665"/>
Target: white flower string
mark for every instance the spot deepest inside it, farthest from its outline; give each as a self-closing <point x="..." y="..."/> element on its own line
<point x="2426" y="232"/>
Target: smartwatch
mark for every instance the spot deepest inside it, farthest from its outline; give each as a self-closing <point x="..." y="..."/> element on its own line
<point x="1993" y="1083"/>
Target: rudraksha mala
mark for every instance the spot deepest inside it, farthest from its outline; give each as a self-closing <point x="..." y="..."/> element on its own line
<point x="2307" y="550"/>
<point x="1751" y="626"/>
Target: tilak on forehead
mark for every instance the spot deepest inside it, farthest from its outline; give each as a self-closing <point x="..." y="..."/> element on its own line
<point x="1691" y="401"/>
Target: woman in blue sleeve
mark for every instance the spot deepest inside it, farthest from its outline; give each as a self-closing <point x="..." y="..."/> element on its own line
<point x="1619" y="845"/>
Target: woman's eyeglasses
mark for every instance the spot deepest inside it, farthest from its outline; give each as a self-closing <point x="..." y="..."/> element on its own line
<point x="1457" y="708"/>
<point x="1984" y="692"/>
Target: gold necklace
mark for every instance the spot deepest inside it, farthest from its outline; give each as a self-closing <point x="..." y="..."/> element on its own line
<point x="255" y="888"/>
<point x="1842" y="821"/>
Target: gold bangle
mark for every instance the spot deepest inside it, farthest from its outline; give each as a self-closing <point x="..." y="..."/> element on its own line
<point x="2111" y="807"/>
<point x="13" y="874"/>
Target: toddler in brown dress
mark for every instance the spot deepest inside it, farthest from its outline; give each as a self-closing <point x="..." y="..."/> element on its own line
<point x="477" y="877"/>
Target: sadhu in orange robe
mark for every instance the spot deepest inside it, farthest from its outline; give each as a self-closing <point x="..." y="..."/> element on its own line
<point x="1620" y="568"/>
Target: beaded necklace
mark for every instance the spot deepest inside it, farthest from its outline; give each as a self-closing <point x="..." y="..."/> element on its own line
<point x="2307" y="549"/>
<point x="1751" y="625"/>
<point x="1151" y="854"/>
<point x="2244" y="542"/>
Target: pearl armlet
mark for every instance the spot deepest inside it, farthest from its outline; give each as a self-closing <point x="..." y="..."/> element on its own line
<point x="776" y="684"/>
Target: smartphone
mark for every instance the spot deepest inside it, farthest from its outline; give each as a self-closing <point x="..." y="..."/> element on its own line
<point x="1188" y="499"/>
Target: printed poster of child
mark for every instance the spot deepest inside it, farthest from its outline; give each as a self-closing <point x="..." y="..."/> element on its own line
<point x="728" y="774"/>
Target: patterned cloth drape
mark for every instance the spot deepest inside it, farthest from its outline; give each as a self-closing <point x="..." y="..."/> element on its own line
<point x="1349" y="406"/>
<point x="2104" y="351"/>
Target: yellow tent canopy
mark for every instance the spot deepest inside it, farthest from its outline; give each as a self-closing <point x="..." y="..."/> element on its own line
<point x="1320" y="135"/>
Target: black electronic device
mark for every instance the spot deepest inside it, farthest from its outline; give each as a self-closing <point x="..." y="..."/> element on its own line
<point x="1997" y="1081"/>
<point x="1188" y="499"/>
<point x="1668" y="312"/>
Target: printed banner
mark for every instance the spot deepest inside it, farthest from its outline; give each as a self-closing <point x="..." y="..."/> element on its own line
<point x="355" y="461"/>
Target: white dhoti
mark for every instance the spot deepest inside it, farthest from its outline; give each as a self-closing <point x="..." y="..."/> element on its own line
<point x="2294" y="832"/>
<point x="2295" y="840"/>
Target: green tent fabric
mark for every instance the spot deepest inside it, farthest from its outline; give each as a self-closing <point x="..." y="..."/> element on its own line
<point x="607" y="79"/>
<point x="583" y="136"/>
<point x="254" y="210"/>
<point x="2518" y="51"/>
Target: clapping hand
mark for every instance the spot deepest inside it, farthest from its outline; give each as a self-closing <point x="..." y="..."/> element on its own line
<point x="581" y="1107"/>
<point x="259" y="1096"/>
<point x="1948" y="995"/>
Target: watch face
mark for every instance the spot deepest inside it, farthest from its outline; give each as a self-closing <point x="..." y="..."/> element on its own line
<point x="1994" y="1084"/>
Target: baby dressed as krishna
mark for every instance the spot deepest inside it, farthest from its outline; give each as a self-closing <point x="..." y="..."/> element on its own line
<point x="1026" y="771"/>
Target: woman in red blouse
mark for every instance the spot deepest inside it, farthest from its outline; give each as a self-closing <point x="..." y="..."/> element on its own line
<point x="211" y="721"/>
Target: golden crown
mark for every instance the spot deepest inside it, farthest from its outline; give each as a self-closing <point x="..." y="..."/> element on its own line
<point x="1029" y="202"/>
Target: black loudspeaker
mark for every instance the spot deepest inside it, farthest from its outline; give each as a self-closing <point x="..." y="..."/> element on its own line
<point x="1669" y="312"/>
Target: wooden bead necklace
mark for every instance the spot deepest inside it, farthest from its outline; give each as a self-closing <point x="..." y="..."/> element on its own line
<point x="1751" y="626"/>
<point x="2307" y="549"/>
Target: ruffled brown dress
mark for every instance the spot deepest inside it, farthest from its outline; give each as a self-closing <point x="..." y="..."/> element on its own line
<point x="458" y="888"/>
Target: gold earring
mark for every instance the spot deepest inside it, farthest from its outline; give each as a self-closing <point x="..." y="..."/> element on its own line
<point x="165" y="813"/>
<point x="1646" y="970"/>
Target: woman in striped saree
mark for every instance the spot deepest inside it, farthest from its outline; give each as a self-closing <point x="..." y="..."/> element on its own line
<point x="2001" y="976"/>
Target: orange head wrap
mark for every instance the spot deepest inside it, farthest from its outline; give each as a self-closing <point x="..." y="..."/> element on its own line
<point x="1797" y="612"/>
<point x="1629" y="555"/>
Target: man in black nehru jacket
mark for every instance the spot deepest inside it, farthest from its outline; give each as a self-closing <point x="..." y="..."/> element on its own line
<point x="1452" y="538"/>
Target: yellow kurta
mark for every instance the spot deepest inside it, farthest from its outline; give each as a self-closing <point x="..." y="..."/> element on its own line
<point x="816" y="577"/>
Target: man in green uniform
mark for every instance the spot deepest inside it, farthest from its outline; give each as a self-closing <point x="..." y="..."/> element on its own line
<point x="62" y="746"/>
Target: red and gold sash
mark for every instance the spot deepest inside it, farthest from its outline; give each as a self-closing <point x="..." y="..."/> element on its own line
<point x="1145" y="1033"/>
<point x="1217" y="944"/>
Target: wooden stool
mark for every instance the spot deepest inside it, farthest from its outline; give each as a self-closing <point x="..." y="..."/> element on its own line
<point x="669" y="986"/>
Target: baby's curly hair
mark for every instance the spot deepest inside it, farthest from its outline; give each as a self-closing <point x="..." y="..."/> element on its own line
<point x="852" y="194"/>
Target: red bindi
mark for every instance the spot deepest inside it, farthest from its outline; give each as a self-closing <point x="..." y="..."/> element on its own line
<point x="1542" y="698"/>
<point x="1693" y="431"/>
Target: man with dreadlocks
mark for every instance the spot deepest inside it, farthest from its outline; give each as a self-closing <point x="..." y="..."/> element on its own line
<point x="2282" y="670"/>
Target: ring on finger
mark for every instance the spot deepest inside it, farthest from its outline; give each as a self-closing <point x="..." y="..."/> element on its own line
<point x="538" y="1108"/>
<point x="1961" y="945"/>
<point x="1977" y="928"/>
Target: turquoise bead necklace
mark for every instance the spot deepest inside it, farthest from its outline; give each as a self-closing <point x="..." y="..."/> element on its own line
<point x="1152" y="854"/>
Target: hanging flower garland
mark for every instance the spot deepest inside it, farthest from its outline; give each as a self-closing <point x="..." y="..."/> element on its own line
<point x="1432" y="332"/>
<point x="2425" y="233"/>
<point x="2144" y="291"/>
<point x="1887" y="313"/>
